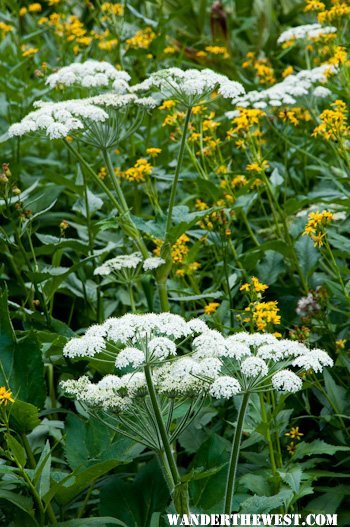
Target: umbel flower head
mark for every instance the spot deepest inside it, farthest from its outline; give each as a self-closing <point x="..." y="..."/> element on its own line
<point x="308" y="31"/>
<point x="90" y="74"/>
<point x="101" y="121"/>
<point x="188" y="359"/>
<point x="287" y="91"/>
<point x="128" y="266"/>
<point x="191" y="86"/>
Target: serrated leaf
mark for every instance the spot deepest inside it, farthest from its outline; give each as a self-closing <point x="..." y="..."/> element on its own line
<point x="316" y="448"/>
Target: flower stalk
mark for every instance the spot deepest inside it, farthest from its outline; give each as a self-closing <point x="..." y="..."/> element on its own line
<point x="232" y="468"/>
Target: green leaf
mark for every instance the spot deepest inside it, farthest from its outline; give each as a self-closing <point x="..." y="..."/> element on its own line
<point x="292" y="478"/>
<point x="16" y="450"/>
<point x="308" y="255"/>
<point x="336" y="393"/>
<point x="316" y="448"/>
<point x="138" y="500"/>
<point x="26" y="383"/>
<point x="24" y="417"/>
<point x="265" y="504"/>
<point x="208" y="493"/>
<point x="22" y="502"/>
<point x="271" y="267"/>
<point x="42" y="471"/>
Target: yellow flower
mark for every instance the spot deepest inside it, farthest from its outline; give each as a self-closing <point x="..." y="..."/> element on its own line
<point x="245" y="287"/>
<point x="167" y="105"/>
<point x="218" y="50"/>
<point x="34" y="8"/>
<point x="258" y="166"/>
<point x="314" y="5"/>
<point x="23" y="11"/>
<point x="107" y="45"/>
<point x="210" y="308"/>
<point x="30" y="52"/>
<point x="169" y="50"/>
<point x="294" y="433"/>
<point x="138" y="172"/>
<point x="291" y="448"/>
<point x="142" y="39"/>
<point x="153" y="152"/>
<point x="315" y="227"/>
<point x="287" y="71"/>
<point x="5" y="28"/>
<point x="265" y="313"/>
<point x="258" y="286"/>
<point x="5" y="396"/>
<point x="340" y="344"/>
<point x="114" y="9"/>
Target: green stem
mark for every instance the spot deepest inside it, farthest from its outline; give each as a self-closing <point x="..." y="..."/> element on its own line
<point x="180" y="493"/>
<point x="177" y="173"/>
<point x="231" y="476"/>
<point x="269" y="441"/>
<point x="132" y="300"/>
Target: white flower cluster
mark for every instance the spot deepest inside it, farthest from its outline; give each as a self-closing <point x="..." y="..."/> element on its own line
<point x="287" y="91"/>
<point x="208" y="361"/>
<point x="125" y="262"/>
<point x="90" y="74"/>
<point x="119" y="263"/>
<point x="307" y="305"/>
<point x="117" y="101"/>
<point x="190" y="86"/>
<point x="308" y="31"/>
<point x="59" y="119"/>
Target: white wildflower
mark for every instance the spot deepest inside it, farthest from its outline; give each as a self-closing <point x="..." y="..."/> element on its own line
<point x="58" y="119"/>
<point x="315" y="360"/>
<point x="321" y="92"/>
<point x="225" y="387"/>
<point x="308" y="31"/>
<point x="118" y="263"/>
<point x="130" y="356"/>
<point x="235" y="349"/>
<point x="286" y="91"/>
<point x="153" y="262"/>
<point x="307" y="305"/>
<point x="209" y="344"/>
<point x="286" y="381"/>
<point x="90" y="74"/>
<point x="254" y="367"/>
<point x="86" y="346"/>
<point x="196" y="325"/>
<point x="161" y="347"/>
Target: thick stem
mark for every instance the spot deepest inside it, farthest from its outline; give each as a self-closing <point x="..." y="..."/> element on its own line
<point x="180" y="494"/>
<point x="269" y="442"/>
<point x="232" y="469"/>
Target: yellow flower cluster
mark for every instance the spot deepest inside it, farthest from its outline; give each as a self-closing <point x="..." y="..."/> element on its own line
<point x="32" y="8"/>
<point x="210" y="308"/>
<point x="138" y="172"/>
<point x="142" y="39"/>
<point x="69" y="28"/>
<point x="295" y="115"/>
<point x="258" y="166"/>
<point x="153" y="151"/>
<point x="112" y="9"/>
<point x="295" y="434"/>
<point x="265" y="314"/>
<point x="5" y="28"/>
<point x="247" y="119"/>
<point x="5" y="396"/>
<point x="254" y="285"/>
<point x="315" y="227"/>
<point x="29" y="52"/>
<point x="334" y="124"/>
<point x="262" y="67"/>
<point x="338" y="10"/>
<point x="314" y="5"/>
<point x="213" y="50"/>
